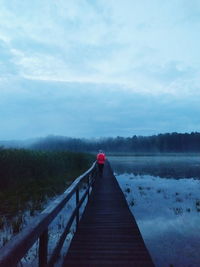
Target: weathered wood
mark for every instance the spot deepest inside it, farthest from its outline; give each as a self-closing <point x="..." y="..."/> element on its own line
<point x="77" y="212"/>
<point x="108" y="234"/>
<point x="43" y="249"/>
<point x="59" y="245"/>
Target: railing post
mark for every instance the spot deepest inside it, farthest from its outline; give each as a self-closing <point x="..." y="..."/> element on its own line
<point x="88" y="183"/>
<point x="43" y="249"/>
<point x="77" y="212"/>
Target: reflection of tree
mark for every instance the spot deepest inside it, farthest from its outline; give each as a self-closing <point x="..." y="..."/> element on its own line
<point x="161" y="169"/>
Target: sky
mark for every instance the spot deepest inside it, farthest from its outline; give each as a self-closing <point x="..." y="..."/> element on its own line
<point x="98" y="68"/>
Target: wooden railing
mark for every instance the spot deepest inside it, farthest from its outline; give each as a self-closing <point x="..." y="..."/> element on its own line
<point x="16" y="248"/>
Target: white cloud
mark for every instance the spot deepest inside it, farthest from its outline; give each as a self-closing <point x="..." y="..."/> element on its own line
<point x="132" y="31"/>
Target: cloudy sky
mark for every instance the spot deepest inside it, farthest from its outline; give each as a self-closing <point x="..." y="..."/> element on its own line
<point x="94" y="68"/>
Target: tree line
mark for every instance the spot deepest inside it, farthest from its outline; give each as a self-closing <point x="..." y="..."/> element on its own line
<point x="168" y="142"/>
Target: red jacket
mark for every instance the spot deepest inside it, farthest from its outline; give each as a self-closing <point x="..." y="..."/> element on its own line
<point x="101" y="158"/>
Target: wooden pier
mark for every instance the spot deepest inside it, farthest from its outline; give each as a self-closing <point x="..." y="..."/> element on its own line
<point x="107" y="234"/>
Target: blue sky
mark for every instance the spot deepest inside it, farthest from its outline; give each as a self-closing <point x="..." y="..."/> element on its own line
<point x="93" y="68"/>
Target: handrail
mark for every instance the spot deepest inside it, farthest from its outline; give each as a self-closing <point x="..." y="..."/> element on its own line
<point x="19" y="245"/>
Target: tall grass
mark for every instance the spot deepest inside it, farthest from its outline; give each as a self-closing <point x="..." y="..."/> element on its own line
<point x="29" y="177"/>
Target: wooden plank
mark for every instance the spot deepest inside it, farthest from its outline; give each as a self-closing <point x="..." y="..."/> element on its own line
<point x="108" y="234"/>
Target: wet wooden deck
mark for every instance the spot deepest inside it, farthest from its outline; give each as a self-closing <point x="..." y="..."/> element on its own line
<point x="108" y="234"/>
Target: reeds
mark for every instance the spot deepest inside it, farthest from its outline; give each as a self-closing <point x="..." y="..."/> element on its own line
<point x="28" y="178"/>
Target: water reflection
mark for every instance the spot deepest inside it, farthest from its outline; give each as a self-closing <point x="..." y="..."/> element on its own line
<point x="171" y="167"/>
<point x="167" y="210"/>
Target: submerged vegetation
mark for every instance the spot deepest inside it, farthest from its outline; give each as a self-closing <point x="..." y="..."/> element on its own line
<point x="28" y="178"/>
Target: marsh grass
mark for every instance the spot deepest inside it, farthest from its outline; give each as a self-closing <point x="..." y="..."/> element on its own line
<point x="5" y="240"/>
<point x="132" y="203"/>
<point x="17" y="223"/>
<point x="178" y="211"/>
<point x="198" y="205"/>
<point x="128" y="190"/>
<point x="2" y="221"/>
<point x="29" y="178"/>
<point x="178" y="199"/>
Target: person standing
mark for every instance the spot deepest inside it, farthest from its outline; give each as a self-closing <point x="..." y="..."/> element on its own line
<point x="101" y="158"/>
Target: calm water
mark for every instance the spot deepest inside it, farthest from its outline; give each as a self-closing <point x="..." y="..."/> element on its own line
<point x="164" y="195"/>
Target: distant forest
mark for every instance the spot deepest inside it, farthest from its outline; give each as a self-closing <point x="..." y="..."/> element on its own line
<point x="169" y="142"/>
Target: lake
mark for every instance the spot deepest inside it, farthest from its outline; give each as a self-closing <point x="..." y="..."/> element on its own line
<point x="163" y="193"/>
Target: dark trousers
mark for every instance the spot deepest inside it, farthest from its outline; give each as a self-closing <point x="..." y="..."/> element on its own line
<point x="100" y="166"/>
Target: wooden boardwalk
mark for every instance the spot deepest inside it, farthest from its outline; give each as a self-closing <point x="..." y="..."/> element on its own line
<point x="108" y="234"/>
